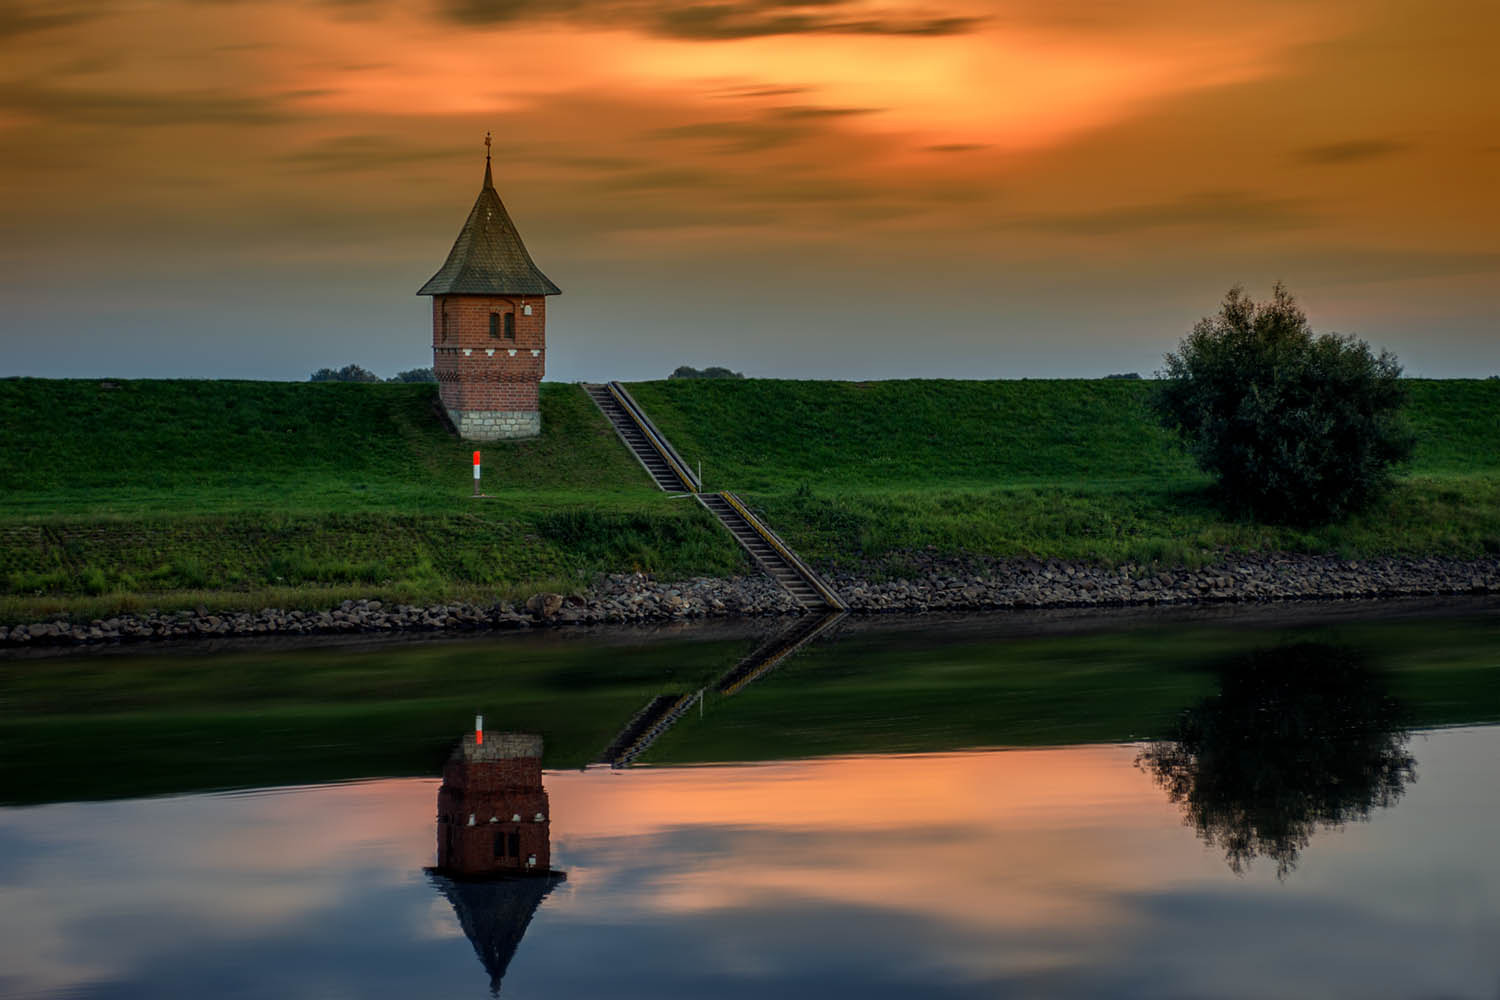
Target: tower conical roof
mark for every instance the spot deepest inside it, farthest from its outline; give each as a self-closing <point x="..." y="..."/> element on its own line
<point x="488" y="258"/>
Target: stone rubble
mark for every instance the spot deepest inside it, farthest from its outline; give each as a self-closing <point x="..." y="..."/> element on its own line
<point x="938" y="584"/>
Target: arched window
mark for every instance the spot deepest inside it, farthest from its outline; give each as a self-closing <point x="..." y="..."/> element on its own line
<point x="495" y="325"/>
<point x="510" y="326"/>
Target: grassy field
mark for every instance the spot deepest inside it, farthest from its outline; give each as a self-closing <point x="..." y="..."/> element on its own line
<point x="247" y="494"/>
<point x="1060" y="468"/>
<point x="128" y="494"/>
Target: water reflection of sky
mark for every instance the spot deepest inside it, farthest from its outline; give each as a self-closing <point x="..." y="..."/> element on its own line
<point x="1047" y="872"/>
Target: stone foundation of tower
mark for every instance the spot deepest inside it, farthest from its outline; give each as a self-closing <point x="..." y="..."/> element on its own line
<point x="496" y="425"/>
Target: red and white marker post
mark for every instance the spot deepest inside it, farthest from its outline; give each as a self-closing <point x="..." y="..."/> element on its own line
<point x="479" y="730"/>
<point x="476" y="473"/>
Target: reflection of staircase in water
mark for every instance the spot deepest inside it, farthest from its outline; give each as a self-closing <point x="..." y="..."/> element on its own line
<point x="663" y="711"/>
<point x="494" y="915"/>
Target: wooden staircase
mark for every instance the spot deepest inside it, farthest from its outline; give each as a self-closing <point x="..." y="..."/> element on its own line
<point x="670" y="473"/>
<point x="771" y="553"/>
<point x="645" y="442"/>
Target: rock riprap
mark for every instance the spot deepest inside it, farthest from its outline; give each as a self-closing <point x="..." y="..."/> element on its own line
<point x="927" y="583"/>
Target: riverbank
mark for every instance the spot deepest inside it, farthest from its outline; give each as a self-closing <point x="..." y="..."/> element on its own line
<point x="939" y="585"/>
<point x="117" y="497"/>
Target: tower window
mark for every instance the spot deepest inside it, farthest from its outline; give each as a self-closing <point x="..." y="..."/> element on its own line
<point x="510" y="326"/>
<point x="495" y="325"/>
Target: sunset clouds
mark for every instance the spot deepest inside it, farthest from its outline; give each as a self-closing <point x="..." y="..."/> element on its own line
<point x="1033" y="188"/>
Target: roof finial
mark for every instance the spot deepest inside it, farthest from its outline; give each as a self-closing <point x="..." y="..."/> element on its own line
<point x="488" y="182"/>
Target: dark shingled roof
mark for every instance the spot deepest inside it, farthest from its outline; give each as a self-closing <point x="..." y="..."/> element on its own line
<point x="488" y="258"/>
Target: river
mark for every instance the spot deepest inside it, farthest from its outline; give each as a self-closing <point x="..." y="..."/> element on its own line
<point x="1287" y="802"/>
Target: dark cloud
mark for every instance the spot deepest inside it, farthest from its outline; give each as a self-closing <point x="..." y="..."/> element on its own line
<point x="1351" y="151"/>
<point x="666" y="179"/>
<point x="19" y="17"/>
<point x="1221" y="209"/>
<point x="711" y="19"/>
<point x="774" y="128"/>
<point x="111" y="107"/>
<point x="737" y="136"/>
<point x="955" y="147"/>
<point x="756" y="92"/>
<point x="606" y="164"/>
<point x="804" y="112"/>
<point x="365" y="152"/>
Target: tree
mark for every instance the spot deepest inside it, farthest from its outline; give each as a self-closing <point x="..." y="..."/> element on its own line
<point x="414" y="375"/>
<point x="713" y="371"/>
<point x="1297" y="428"/>
<point x="348" y="373"/>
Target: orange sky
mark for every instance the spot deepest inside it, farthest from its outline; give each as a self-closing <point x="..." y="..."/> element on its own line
<point x="839" y="188"/>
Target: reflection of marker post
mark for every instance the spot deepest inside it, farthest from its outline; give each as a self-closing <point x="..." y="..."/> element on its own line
<point x="479" y="730"/>
<point x="476" y="473"/>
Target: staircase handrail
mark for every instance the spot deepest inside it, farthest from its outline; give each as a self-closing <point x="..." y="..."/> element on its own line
<point x="657" y="438"/>
<point x="785" y="551"/>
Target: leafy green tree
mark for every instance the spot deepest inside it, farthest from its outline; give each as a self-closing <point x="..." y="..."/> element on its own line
<point x="414" y="375"/>
<point x="1297" y="428"/>
<point x="348" y="373"/>
<point x="713" y="371"/>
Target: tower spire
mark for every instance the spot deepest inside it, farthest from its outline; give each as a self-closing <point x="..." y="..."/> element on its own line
<point x="488" y="180"/>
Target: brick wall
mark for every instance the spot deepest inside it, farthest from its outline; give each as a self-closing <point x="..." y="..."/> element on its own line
<point x="480" y="373"/>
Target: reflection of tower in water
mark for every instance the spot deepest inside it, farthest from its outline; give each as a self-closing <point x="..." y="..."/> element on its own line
<point x="494" y="850"/>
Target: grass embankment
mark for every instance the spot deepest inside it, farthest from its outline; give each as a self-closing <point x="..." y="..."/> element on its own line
<point x="125" y="495"/>
<point x="138" y="723"/>
<point x="1068" y="468"/>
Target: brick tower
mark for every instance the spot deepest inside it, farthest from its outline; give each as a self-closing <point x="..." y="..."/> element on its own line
<point x="489" y="318"/>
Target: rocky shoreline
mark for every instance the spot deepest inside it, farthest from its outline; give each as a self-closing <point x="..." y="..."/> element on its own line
<point x="928" y="584"/>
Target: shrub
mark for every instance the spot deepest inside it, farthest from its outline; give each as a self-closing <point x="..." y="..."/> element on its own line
<point x="414" y="375"/>
<point x="1297" y="428"/>
<point x="713" y="371"/>
<point x="348" y="373"/>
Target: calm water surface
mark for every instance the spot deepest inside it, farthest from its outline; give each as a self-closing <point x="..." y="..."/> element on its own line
<point x="1313" y="817"/>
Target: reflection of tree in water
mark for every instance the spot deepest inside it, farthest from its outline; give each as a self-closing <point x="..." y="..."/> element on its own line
<point x="1298" y="738"/>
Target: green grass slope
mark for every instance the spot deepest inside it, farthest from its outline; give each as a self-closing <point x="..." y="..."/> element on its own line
<point x="128" y="494"/>
<point x="1054" y="468"/>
